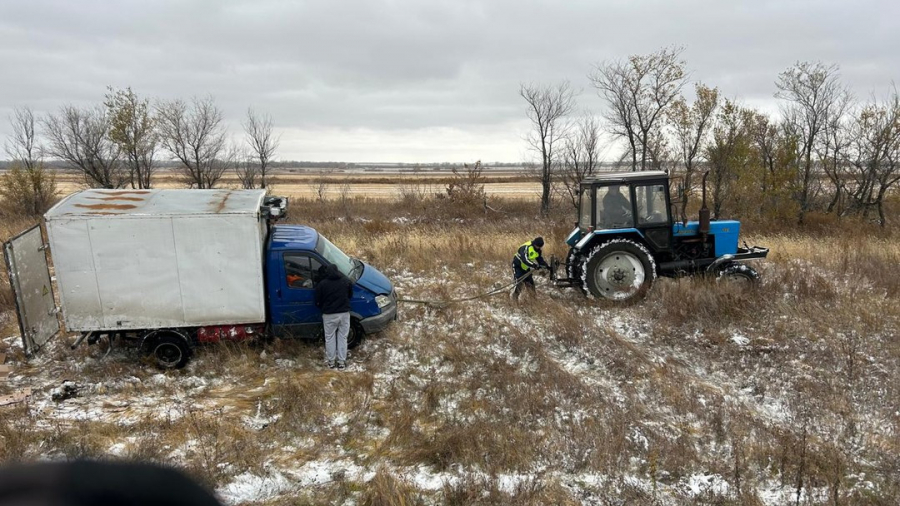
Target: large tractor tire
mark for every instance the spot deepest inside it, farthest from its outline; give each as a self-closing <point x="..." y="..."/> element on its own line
<point x="575" y="266"/>
<point x="619" y="270"/>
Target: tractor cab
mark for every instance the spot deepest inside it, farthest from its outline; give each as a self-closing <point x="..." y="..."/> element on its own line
<point x="626" y="236"/>
<point x="627" y="203"/>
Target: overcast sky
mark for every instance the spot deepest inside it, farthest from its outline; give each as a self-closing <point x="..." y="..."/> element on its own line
<point x="416" y="80"/>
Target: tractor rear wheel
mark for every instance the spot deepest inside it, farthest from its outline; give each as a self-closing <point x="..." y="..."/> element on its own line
<point x="620" y="270"/>
<point x="575" y="268"/>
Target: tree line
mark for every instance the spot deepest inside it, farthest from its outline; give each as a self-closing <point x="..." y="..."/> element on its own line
<point x="827" y="151"/>
<point x="119" y="144"/>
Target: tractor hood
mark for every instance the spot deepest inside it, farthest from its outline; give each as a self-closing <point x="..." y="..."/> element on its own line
<point x="373" y="280"/>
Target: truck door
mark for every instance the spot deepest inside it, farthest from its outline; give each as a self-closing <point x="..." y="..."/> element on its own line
<point x="294" y="313"/>
<point x="29" y="277"/>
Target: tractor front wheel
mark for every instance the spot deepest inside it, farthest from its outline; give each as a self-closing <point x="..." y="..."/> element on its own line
<point x="620" y="270"/>
<point x="739" y="274"/>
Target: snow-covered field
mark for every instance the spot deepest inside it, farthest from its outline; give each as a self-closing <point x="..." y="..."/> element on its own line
<point x="702" y="394"/>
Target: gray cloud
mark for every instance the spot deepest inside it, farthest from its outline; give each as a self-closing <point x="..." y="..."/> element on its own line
<point x="390" y="74"/>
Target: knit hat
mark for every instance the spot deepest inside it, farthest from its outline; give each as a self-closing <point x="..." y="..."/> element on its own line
<point x="538" y="241"/>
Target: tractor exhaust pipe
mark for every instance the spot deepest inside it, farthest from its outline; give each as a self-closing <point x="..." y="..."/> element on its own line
<point x="704" y="213"/>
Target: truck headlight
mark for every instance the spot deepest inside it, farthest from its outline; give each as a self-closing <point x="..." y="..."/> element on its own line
<point x="383" y="301"/>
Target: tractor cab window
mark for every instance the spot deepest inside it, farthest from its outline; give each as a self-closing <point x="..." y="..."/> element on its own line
<point x="614" y="207"/>
<point x="301" y="271"/>
<point x="584" y="216"/>
<point x="651" y="205"/>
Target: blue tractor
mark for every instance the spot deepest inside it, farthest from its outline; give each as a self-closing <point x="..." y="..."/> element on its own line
<point x="626" y="236"/>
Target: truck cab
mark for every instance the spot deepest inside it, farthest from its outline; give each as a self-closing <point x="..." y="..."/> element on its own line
<point x="296" y="256"/>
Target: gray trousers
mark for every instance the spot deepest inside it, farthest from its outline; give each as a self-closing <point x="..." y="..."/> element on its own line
<point x="337" y="327"/>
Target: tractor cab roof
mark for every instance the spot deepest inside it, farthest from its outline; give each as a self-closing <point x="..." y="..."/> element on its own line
<point x="625" y="177"/>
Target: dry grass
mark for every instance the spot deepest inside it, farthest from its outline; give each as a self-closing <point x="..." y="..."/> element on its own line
<point x="558" y="400"/>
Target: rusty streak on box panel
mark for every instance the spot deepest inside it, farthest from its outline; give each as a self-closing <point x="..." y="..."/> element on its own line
<point x="124" y="192"/>
<point x="221" y="205"/>
<point x="132" y="199"/>
<point x="100" y="207"/>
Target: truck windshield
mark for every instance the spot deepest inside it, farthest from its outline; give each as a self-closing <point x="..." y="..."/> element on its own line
<point x="350" y="267"/>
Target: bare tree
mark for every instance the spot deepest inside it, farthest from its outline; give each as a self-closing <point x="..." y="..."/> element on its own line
<point x="246" y="170"/>
<point x="691" y="125"/>
<point x="830" y="150"/>
<point x="22" y="145"/>
<point x="80" y="137"/>
<point x="319" y="186"/>
<point x="133" y="129"/>
<point x="873" y="154"/>
<point x="548" y="107"/>
<point x="262" y="141"/>
<point x="813" y="94"/>
<point x="638" y="91"/>
<point x="581" y="156"/>
<point x="28" y="187"/>
<point x="195" y="135"/>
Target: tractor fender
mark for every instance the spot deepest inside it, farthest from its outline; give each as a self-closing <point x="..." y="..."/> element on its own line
<point x="589" y="241"/>
<point x="720" y="262"/>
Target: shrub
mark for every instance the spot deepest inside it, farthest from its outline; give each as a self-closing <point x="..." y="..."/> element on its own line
<point x="27" y="191"/>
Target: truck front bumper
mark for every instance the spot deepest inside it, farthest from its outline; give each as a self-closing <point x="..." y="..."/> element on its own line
<point x="379" y="322"/>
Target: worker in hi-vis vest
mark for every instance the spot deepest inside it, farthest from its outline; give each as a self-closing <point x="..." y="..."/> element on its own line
<point x="528" y="257"/>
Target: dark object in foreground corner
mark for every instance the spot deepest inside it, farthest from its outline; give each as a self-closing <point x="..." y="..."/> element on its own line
<point x="83" y="483"/>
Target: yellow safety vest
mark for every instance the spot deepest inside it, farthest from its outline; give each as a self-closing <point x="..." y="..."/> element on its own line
<point x="530" y="256"/>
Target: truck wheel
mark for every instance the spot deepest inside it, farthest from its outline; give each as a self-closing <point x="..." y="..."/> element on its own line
<point x="621" y="270"/>
<point x="355" y="337"/>
<point x="739" y="274"/>
<point x="169" y="351"/>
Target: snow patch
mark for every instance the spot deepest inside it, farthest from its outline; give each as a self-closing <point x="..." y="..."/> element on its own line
<point x="249" y="487"/>
<point x="740" y="339"/>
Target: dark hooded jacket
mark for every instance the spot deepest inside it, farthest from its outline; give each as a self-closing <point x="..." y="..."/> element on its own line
<point x="334" y="291"/>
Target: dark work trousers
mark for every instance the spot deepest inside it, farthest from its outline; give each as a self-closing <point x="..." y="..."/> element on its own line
<point x="518" y="272"/>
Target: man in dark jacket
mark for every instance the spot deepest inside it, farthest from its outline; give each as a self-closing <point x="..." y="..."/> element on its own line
<point x="333" y="294"/>
<point x="528" y="257"/>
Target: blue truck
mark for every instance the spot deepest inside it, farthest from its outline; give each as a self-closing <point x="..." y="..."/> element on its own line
<point x="169" y="269"/>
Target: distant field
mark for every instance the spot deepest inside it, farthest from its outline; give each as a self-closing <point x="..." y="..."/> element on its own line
<point x="380" y="185"/>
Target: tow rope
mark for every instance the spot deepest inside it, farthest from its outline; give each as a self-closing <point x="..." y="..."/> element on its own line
<point x="490" y="293"/>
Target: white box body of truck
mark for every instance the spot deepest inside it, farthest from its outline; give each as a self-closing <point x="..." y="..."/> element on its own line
<point x="149" y="259"/>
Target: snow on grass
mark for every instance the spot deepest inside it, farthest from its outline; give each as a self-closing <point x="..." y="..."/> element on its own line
<point x="250" y="488"/>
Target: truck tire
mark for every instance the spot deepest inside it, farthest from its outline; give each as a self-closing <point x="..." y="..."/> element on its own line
<point x="355" y="337"/>
<point x="169" y="350"/>
<point x="619" y="270"/>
